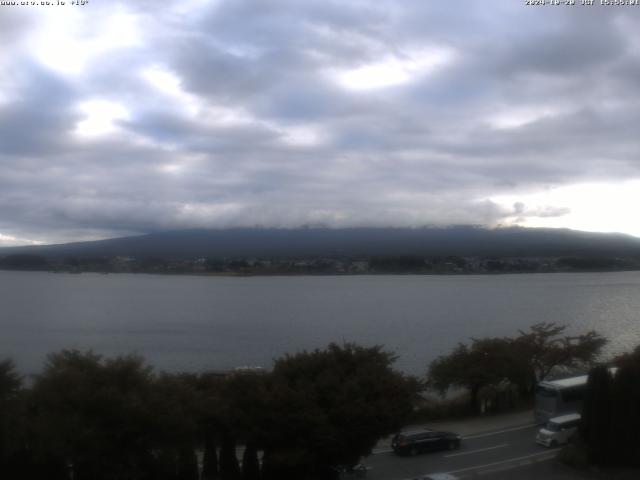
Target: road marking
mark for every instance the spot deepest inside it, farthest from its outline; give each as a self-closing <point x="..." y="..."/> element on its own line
<point x="516" y="459"/>
<point x="376" y="452"/>
<point x="498" y="432"/>
<point x="476" y="451"/>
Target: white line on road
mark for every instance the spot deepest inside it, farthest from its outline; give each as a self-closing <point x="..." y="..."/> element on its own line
<point x="477" y="467"/>
<point x="376" y="452"/>
<point x="498" y="432"/>
<point x="476" y="451"/>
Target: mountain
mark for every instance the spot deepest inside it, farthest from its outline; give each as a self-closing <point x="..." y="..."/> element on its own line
<point x="348" y="242"/>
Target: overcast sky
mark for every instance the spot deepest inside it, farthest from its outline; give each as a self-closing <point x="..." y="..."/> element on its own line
<point x="121" y="117"/>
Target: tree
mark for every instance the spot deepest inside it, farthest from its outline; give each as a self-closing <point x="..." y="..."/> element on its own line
<point x="10" y="387"/>
<point x="486" y="362"/>
<point x="521" y="361"/>
<point x="177" y="403"/>
<point x="610" y="424"/>
<point x="330" y="407"/>
<point x="187" y="464"/>
<point x="209" y="458"/>
<point x="96" y="414"/>
<point x="229" y="466"/>
<point x="624" y="433"/>
<point x="544" y="348"/>
<point x="629" y="358"/>
<point x="244" y="410"/>
<point x="10" y="380"/>
<point x="595" y="426"/>
<point x="221" y="412"/>
<point x="250" y="463"/>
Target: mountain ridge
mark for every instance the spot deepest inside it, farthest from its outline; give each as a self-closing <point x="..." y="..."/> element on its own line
<point x="314" y="242"/>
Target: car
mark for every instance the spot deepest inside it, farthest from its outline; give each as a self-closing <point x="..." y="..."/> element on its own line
<point x="559" y="430"/>
<point x="413" y="442"/>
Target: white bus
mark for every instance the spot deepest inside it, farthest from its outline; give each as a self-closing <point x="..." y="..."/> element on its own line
<point x="555" y="397"/>
<point x="558" y="397"/>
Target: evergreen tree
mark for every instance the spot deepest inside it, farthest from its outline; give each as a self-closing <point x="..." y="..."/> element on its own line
<point x="595" y="425"/>
<point x="625" y="417"/>
<point x="166" y="465"/>
<point x="229" y="466"/>
<point x="210" y="458"/>
<point x="250" y="463"/>
<point x="187" y="464"/>
<point x="610" y="424"/>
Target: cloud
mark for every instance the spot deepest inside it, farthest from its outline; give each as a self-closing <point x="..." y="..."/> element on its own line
<point x="521" y="211"/>
<point x="9" y="241"/>
<point x="130" y="118"/>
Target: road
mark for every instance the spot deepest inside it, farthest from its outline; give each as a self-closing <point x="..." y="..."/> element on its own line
<point x="480" y="454"/>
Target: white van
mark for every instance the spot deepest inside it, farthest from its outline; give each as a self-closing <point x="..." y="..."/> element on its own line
<point x="558" y="430"/>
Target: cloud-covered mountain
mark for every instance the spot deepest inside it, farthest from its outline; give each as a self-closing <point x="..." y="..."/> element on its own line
<point x="351" y="242"/>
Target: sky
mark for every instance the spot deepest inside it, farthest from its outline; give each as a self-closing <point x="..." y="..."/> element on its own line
<point x="121" y="117"/>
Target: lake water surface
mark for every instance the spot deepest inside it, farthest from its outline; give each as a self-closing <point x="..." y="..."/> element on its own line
<point x="196" y="323"/>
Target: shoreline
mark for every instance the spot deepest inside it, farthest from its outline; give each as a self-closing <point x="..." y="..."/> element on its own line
<point x="320" y="274"/>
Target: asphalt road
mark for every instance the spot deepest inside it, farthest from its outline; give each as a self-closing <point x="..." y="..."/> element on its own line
<point x="479" y="454"/>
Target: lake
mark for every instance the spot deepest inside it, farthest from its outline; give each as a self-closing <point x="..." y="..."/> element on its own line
<point x="198" y="322"/>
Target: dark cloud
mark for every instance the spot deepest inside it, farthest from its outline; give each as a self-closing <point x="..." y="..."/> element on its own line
<point x="38" y="115"/>
<point x="250" y="120"/>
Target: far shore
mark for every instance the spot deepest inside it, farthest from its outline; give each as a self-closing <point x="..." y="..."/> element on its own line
<point x="311" y="273"/>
